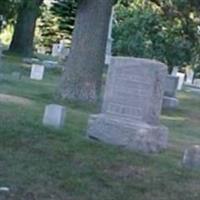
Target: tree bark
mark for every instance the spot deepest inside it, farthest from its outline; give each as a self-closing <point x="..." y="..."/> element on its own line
<point x="22" y="41"/>
<point x="81" y="79"/>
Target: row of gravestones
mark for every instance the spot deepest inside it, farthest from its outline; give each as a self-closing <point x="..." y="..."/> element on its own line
<point x="59" y="50"/>
<point x="187" y="78"/>
<point x="37" y="73"/>
<point x="131" y="109"/>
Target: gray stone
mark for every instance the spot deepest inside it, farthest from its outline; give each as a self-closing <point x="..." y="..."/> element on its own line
<point x="191" y="157"/>
<point x="170" y="102"/>
<point x="31" y="60"/>
<point x="171" y="84"/>
<point x="16" y="75"/>
<point x="54" y="115"/>
<point x="50" y="64"/>
<point x="132" y="106"/>
<point x="197" y="82"/>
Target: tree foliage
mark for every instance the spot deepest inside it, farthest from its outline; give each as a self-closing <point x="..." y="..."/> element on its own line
<point x="164" y="30"/>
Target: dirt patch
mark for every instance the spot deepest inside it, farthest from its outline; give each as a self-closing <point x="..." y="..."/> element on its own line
<point x="5" y="98"/>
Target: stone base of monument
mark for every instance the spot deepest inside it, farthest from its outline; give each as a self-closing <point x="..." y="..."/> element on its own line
<point x="170" y="103"/>
<point x="134" y="135"/>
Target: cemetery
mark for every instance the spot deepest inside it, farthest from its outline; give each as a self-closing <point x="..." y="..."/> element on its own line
<point x="110" y="112"/>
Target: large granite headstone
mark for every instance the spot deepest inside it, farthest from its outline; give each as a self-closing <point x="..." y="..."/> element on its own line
<point x="170" y="101"/>
<point x="132" y="106"/>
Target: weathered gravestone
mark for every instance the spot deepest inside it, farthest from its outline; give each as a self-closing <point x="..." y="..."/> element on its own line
<point x="132" y="106"/>
<point x="50" y="64"/>
<point x="197" y="82"/>
<point x="191" y="157"/>
<point x="16" y="75"/>
<point x="54" y="115"/>
<point x="181" y="79"/>
<point x="37" y="72"/>
<point x="170" y="101"/>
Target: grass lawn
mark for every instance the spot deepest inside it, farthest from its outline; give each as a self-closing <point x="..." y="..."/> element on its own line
<point x="40" y="163"/>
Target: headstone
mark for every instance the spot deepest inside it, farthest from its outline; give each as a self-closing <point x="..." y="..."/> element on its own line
<point x="171" y="86"/>
<point x="132" y="106"/>
<point x="54" y="115"/>
<point x="189" y="76"/>
<point x="181" y="77"/>
<point x="174" y="71"/>
<point x="50" y="64"/>
<point x="55" y="50"/>
<point x="170" y="101"/>
<point x="197" y="82"/>
<point x="191" y="158"/>
<point x="63" y="54"/>
<point x="37" y="72"/>
<point x="16" y="75"/>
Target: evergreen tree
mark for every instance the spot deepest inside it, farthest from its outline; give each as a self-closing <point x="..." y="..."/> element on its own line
<point x="65" y="10"/>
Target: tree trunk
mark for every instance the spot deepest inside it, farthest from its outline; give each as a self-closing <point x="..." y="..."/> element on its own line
<point x="81" y="79"/>
<point x="22" y="41"/>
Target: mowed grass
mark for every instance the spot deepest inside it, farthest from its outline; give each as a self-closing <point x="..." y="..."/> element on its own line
<point x="41" y="163"/>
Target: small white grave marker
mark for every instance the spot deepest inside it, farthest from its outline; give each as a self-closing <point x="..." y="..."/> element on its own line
<point x="181" y="80"/>
<point x="37" y="72"/>
<point x="189" y="76"/>
<point x="174" y="71"/>
<point x="54" y="115"/>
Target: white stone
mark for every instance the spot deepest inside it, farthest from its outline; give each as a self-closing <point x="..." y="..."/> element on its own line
<point x="37" y="72"/>
<point x="54" y="115"/>
<point x="174" y="71"/>
<point x="55" y="50"/>
<point x="189" y="76"/>
<point x="181" y="80"/>
<point x="50" y="64"/>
